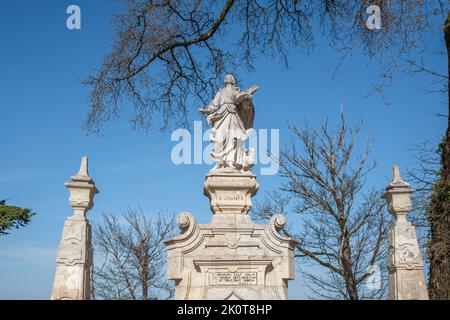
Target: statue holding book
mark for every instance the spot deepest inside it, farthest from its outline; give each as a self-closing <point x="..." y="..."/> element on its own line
<point x="231" y="257"/>
<point x="231" y="114"/>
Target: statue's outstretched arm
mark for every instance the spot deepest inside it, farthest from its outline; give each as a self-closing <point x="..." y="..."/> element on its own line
<point x="213" y="106"/>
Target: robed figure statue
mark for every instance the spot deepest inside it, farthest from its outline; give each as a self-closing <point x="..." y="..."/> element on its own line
<point x="231" y="115"/>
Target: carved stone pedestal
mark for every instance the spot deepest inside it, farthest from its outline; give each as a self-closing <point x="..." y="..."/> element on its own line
<point x="406" y="280"/>
<point x="232" y="257"/>
<point x="74" y="257"/>
<point x="230" y="192"/>
<point x="73" y="262"/>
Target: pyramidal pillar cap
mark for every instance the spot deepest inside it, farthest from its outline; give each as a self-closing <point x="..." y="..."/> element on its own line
<point x="397" y="181"/>
<point x="83" y="173"/>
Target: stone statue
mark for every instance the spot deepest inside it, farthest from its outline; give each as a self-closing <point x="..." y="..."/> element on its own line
<point x="231" y="257"/>
<point x="231" y="115"/>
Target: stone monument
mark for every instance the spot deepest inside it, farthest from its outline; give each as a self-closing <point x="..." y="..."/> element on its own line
<point x="74" y="257"/>
<point x="406" y="280"/>
<point x="231" y="257"/>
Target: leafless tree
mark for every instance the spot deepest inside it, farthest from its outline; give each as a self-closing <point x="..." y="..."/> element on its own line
<point x="439" y="207"/>
<point x="132" y="257"/>
<point x="432" y="174"/>
<point x="434" y="178"/>
<point x="430" y="216"/>
<point x="423" y="175"/>
<point x="168" y="55"/>
<point x="343" y="225"/>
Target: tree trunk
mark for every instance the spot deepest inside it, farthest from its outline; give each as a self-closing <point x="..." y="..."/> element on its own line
<point x="144" y="280"/>
<point x="446" y="149"/>
<point x="439" y="211"/>
<point x="347" y="270"/>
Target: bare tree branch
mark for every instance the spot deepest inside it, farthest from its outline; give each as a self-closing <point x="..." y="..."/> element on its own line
<point x="168" y="55"/>
<point x="133" y="256"/>
<point x="342" y="229"/>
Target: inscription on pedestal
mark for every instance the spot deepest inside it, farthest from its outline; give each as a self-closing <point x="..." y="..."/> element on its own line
<point x="233" y="196"/>
<point x="232" y="278"/>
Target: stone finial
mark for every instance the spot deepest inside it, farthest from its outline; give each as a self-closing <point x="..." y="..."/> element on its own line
<point x="398" y="195"/>
<point x="397" y="181"/>
<point x="82" y="190"/>
<point x="84" y="167"/>
<point x="396" y="175"/>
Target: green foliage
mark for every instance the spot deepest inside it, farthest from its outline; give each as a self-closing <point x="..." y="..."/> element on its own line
<point x="439" y="205"/>
<point x="438" y="209"/>
<point x="12" y="217"/>
<point x="438" y="215"/>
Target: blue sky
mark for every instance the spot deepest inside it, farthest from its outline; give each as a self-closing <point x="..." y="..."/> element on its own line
<point x="43" y="104"/>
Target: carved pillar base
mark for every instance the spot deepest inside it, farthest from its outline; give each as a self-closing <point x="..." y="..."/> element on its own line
<point x="73" y="262"/>
<point x="232" y="257"/>
<point x="230" y="192"/>
<point x="406" y="280"/>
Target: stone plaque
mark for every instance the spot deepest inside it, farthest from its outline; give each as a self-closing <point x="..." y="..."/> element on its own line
<point x="233" y="278"/>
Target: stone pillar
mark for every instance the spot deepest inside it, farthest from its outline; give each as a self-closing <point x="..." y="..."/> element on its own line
<point x="406" y="280"/>
<point x="232" y="257"/>
<point x="74" y="257"/>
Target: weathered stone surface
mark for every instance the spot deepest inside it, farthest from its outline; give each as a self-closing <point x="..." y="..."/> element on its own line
<point x="232" y="257"/>
<point x="231" y="114"/>
<point x="230" y="192"/>
<point x="74" y="257"/>
<point x="406" y="280"/>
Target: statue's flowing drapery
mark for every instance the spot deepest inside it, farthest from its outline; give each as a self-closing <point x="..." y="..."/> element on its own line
<point x="231" y="117"/>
